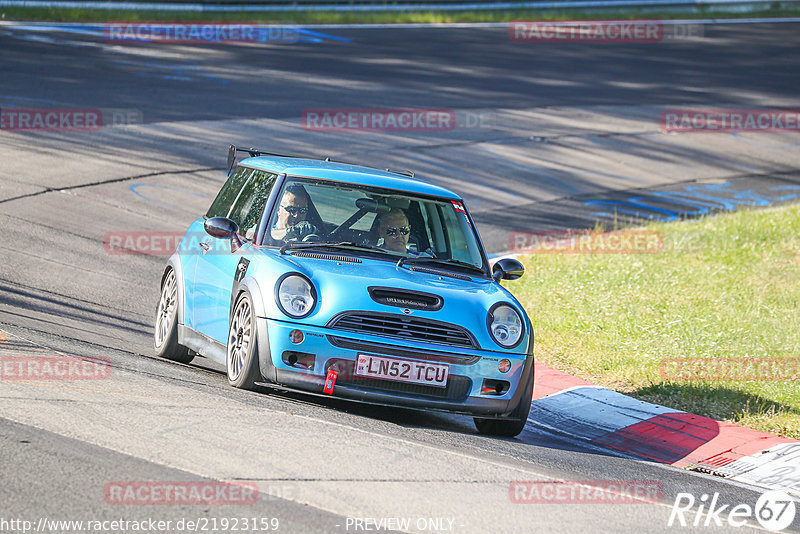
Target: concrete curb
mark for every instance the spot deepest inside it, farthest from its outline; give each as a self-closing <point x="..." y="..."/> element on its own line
<point x="611" y="420"/>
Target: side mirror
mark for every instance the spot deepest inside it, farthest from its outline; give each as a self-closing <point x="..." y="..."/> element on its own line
<point x="223" y="228"/>
<point x="507" y="269"/>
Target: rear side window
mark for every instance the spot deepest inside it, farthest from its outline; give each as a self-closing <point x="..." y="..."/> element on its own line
<point x="242" y="199"/>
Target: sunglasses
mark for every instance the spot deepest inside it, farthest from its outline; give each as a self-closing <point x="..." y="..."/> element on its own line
<point x="295" y="211"/>
<point x="392" y="230"/>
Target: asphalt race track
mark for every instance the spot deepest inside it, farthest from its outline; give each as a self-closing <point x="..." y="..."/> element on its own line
<point x="547" y="136"/>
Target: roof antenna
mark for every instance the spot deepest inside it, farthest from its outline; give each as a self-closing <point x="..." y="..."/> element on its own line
<point x="408" y="173"/>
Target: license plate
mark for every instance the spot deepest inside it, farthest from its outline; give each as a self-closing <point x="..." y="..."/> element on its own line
<point x="429" y="374"/>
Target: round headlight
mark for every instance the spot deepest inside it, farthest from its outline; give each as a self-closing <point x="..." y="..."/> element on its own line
<point x="505" y="325"/>
<point x="296" y="296"/>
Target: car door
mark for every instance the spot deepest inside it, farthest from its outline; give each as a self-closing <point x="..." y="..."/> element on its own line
<point x="197" y="243"/>
<point x="217" y="264"/>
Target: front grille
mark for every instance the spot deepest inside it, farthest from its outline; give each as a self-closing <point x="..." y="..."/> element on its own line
<point x="458" y="387"/>
<point x="403" y="327"/>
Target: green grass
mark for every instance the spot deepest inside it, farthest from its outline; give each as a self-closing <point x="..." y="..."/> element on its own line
<point x="331" y="17"/>
<point x="724" y="286"/>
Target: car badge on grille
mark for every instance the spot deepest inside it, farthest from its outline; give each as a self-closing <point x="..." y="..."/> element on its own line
<point x="407" y="311"/>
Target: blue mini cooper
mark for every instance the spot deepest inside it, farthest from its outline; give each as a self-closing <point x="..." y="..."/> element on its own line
<point x="335" y="279"/>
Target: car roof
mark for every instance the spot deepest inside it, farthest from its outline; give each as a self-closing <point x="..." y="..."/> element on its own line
<point x="344" y="172"/>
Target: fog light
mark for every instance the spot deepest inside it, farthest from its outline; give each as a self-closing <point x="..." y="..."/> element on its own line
<point x="299" y="360"/>
<point x="494" y="387"/>
<point x="504" y="365"/>
<point x="296" y="336"/>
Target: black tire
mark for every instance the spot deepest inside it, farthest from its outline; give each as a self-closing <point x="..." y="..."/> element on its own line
<point x="517" y="419"/>
<point x="241" y="362"/>
<point x="165" y="331"/>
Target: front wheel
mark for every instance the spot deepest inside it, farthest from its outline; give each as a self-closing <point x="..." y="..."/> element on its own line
<point x="517" y="419"/>
<point x="165" y="333"/>
<point x="242" y="360"/>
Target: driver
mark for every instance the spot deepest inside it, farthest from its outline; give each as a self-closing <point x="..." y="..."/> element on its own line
<point x="291" y="224"/>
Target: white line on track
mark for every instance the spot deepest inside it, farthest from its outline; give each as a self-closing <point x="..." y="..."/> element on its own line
<point x="435" y="25"/>
<point x="439" y="25"/>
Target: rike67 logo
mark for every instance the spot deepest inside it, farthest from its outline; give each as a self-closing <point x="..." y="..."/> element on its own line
<point x="774" y="510"/>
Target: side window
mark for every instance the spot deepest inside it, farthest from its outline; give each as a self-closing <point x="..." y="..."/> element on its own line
<point x="457" y="228"/>
<point x="419" y="239"/>
<point x="227" y="195"/>
<point x="437" y="233"/>
<point x="248" y="207"/>
<point x="428" y="225"/>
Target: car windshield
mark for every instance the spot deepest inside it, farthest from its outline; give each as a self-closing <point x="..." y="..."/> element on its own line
<point x="381" y="221"/>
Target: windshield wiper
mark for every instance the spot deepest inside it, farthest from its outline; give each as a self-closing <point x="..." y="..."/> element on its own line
<point x="297" y="245"/>
<point x="457" y="263"/>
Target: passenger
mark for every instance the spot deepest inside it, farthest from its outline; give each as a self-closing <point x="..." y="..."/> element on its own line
<point x="394" y="230"/>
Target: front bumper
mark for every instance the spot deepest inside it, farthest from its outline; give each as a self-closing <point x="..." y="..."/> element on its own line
<point x="330" y="348"/>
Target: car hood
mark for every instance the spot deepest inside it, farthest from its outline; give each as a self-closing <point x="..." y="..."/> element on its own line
<point x="344" y="286"/>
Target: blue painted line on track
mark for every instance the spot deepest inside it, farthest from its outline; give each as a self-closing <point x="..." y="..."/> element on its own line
<point x="701" y="199"/>
<point x="134" y="188"/>
<point x="324" y="35"/>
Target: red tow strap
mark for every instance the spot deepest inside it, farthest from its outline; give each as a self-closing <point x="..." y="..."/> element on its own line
<point x="330" y="381"/>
